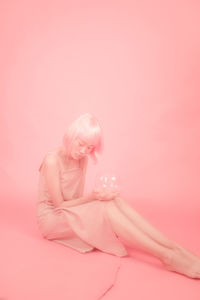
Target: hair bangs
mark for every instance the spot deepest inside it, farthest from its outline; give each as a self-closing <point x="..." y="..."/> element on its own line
<point x="90" y="136"/>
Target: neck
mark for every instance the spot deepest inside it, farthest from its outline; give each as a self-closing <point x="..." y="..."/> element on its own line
<point x="70" y="161"/>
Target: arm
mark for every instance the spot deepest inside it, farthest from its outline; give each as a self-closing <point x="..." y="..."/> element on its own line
<point x="76" y="201"/>
<point x="51" y="173"/>
<point x="82" y="199"/>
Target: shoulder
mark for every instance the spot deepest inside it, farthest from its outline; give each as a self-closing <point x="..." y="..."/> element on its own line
<point x="51" y="159"/>
<point x="50" y="165"/>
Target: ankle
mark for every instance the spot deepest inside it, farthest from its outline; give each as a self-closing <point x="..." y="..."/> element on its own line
<point x="167" y="256"/>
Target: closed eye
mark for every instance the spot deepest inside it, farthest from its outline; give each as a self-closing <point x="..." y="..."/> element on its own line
<point x="83" y="144"/>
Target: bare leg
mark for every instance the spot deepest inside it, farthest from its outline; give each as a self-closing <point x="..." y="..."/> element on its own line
<point x="131" y="234"/>
<point x="125" y="229"/>
<point x="141" y="223"/>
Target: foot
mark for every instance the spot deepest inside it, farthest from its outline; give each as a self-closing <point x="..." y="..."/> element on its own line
<point x="186" y="252"/>
<point x="181" y="262"/>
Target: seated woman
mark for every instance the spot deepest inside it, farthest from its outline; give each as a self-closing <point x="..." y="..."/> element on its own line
<point x="96" y="220"/>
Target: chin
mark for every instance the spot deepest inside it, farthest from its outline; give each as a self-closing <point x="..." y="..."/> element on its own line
<point x="77" y="157"/>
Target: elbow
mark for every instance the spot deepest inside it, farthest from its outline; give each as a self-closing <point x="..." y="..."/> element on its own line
<point x="57" y="204"/>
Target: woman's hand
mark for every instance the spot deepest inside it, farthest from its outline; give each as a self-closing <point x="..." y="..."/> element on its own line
<point x="91" y="197"/>
<point x="105" y="195"/>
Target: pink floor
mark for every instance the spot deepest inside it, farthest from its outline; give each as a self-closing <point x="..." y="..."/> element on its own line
<point x="136" y="66"/>
<point x="35" y="268"/>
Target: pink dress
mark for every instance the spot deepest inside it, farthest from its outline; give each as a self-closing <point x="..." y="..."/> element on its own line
<point x="81" y="227"/>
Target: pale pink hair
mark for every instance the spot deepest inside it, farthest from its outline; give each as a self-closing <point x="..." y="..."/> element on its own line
<point x="87" y="128"/>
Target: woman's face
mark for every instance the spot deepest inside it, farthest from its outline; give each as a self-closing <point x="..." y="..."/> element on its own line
<point x="81" y="148"/>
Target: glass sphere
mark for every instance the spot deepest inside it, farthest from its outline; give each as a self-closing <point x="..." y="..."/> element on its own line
<point x="107" y="182"/>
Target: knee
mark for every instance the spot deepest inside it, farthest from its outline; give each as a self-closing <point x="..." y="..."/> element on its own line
<point x="112" y="205"/>
<point x="116" y="202"/>
<point x="119" y="201"/>
<point x="45" y="228"/>
<point x="44" y="232"/>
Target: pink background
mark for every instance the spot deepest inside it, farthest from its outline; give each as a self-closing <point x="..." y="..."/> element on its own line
<point x="133" y="64"/>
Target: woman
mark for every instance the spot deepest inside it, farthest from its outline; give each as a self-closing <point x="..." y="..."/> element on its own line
<point x="96" y="220"/>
